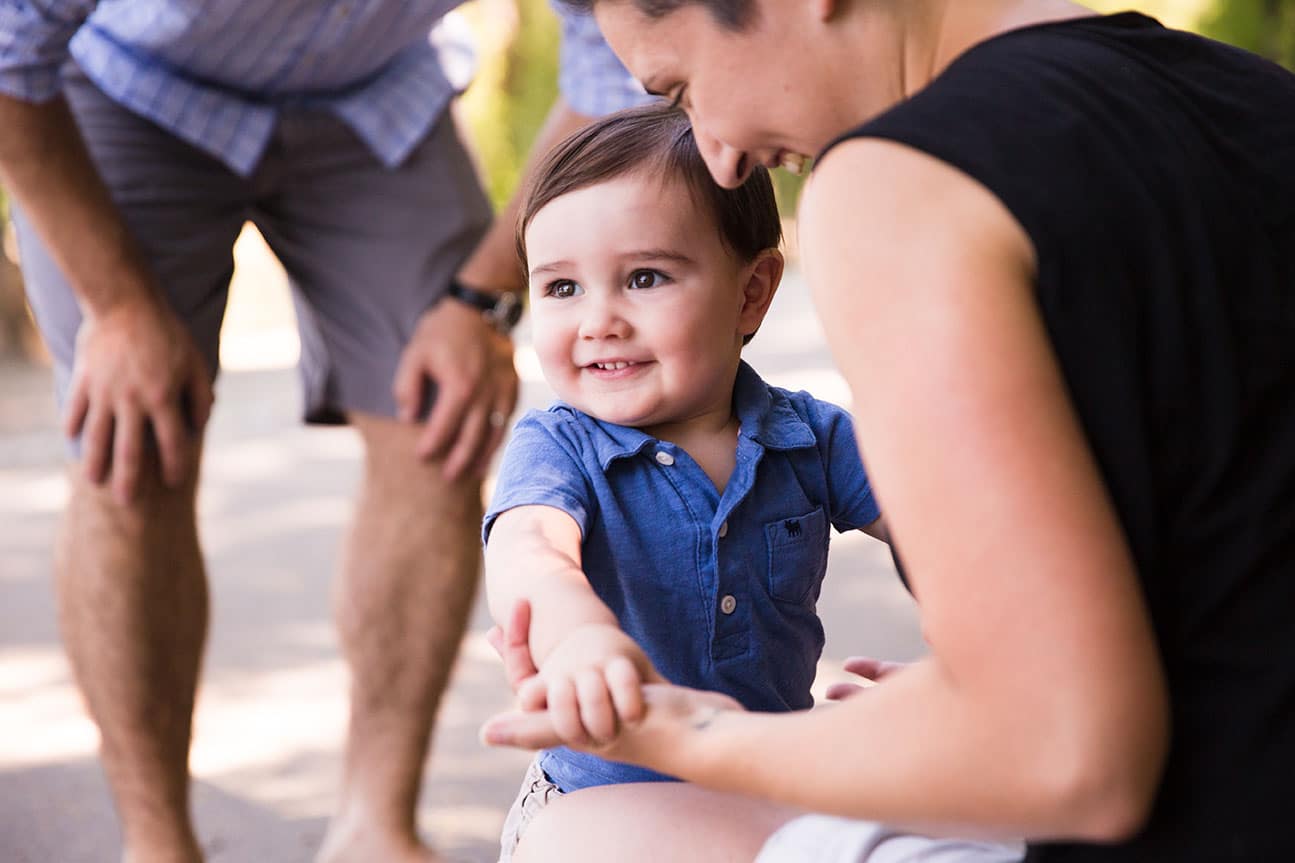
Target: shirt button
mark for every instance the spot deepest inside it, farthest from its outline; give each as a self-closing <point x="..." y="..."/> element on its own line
<point x="665" y="458"/>
<point x="728" y="604"/>
<point x="723" y="530"/>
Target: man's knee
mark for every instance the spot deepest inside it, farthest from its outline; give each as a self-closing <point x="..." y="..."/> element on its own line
<point x="394" y="468"/>
<point x="155" y="505"/>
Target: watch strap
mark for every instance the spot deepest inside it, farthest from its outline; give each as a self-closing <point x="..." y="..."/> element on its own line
<point x="502" y="310"/>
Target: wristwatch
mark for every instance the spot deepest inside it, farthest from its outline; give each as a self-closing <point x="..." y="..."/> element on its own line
<point x="501" y="310"/>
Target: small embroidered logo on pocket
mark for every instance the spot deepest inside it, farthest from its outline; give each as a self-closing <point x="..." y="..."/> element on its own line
<point x="792" y="526"/>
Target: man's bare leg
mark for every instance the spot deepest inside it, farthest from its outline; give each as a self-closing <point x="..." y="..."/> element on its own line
<point x="133" y="609"/>
<point x="410" y="570"/>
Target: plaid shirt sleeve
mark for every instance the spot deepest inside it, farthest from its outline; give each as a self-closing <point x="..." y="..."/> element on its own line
<point x="591" y="78"/>
<point x="34" y="36"/>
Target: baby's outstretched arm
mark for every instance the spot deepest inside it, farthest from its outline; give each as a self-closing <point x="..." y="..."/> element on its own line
<point x="590" y="672"/>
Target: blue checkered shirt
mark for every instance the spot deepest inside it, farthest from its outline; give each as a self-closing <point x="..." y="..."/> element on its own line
<point x="217" y="73"/>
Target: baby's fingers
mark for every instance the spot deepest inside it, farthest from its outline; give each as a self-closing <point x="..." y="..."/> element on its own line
<point x="596" y="713"/>
<point x="626" y="688"/>
<point x="533" y="694"/>
<point x="564" y="707"/>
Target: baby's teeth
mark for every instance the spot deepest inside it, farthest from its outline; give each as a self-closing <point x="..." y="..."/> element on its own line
<point x="793" y="163"/>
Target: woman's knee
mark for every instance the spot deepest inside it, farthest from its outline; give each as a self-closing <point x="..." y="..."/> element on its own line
<point x="650" y="822"/>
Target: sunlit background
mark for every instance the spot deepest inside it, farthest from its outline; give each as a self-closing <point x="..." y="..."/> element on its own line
<point x="276" y="497"/>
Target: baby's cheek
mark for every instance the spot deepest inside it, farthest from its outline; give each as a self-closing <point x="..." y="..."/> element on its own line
<point x="554" y="361"/>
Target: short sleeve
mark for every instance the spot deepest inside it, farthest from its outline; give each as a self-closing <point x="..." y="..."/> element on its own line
<point x="851" y="502"/>
<point x="541" y="466"/>
<point x="590" y="76"/>
<point x="34" y="37"/>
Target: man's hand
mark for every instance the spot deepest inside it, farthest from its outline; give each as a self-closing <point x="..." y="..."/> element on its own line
<point x="476" y="386"/>
<point x="137" y="368"/>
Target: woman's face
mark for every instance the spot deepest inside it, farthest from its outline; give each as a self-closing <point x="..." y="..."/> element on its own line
<point x="754" y="95"/>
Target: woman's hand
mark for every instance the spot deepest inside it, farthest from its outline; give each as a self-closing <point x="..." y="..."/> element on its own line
<point x="670" y="713"/>
<point x="673" y="716"/>
<point x="871" y="670"/>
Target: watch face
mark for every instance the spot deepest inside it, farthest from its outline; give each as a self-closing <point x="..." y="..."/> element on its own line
<point x="508" y="311"/>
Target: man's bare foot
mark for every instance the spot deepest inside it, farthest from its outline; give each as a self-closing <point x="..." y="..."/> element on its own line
<point x="347" y="841"/>
<point x="188" y="853"/>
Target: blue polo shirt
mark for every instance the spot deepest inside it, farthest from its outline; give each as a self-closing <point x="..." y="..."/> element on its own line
<point x="719" y="590"/>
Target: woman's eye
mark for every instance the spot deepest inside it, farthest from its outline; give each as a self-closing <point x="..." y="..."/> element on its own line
<point x="562" y="289"/>
<point x="645" y="279"/>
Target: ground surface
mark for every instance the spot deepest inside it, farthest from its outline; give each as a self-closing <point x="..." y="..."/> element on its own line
<point x="271" y="712"/>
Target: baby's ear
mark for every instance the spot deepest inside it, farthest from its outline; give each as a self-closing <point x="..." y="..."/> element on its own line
<point x="761" y="278"/>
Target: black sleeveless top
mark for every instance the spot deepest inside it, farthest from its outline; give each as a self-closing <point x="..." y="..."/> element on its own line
<point x="1154" y="172"/>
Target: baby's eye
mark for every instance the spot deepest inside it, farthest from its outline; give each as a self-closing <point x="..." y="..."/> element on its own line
<point x="646" y="279"/>
<point x="561" y="289"/>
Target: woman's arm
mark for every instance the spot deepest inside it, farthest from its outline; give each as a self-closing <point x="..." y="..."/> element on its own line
<point x="1042" y="708"/>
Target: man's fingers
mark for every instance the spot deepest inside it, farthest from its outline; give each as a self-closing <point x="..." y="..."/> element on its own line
<point x="626" y="688"/>
<point x="473" y="432"/>
<point x="447" y="414"/>
<point x="78" y="405"/>
<point x="494" y="438"/>
<point x="173" y="444"/>
<point x="596" y="713"/>
<point x="407" y="387"/>
<point x="127" y="452"/>
<point x="520" y="730"/>
<point x="200" y="397"/>
<point x="96" y="439"/>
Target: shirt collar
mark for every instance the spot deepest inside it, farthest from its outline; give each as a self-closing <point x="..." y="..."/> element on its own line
<point x="766" y="417"/>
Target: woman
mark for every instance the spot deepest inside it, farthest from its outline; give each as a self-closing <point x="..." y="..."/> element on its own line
<point x="1054" y="255"/>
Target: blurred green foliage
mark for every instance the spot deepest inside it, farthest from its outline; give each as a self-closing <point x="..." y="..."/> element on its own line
<point x="515" y="86"/>
<point x="1266" y="27"/>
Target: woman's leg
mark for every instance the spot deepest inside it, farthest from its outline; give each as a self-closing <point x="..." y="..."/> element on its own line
<point x="651" y="822"/>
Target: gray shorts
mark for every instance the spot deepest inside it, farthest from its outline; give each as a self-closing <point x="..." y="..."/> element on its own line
<point x="826" y="839"/>
<point x="537" y="791"/>
<point x="367" y="249"/>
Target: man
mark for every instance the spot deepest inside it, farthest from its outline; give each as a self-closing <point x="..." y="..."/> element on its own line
<point x="133" y="167"/>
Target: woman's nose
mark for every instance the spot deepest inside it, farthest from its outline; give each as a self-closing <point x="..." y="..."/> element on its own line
<point x="729" y="167"/>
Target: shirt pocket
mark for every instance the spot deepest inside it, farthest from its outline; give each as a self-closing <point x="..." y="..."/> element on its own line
<point x="797" y="556"/>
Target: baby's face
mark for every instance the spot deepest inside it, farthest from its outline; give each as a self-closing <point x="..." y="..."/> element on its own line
<point x="636" y="305"/>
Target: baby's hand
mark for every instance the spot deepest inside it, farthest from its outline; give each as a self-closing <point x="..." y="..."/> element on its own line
<point x="591" y="684"/>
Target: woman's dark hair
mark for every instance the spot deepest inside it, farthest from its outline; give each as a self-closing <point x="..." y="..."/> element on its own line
<point x="655" y="140"/>
<point x="730" y="14"/>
